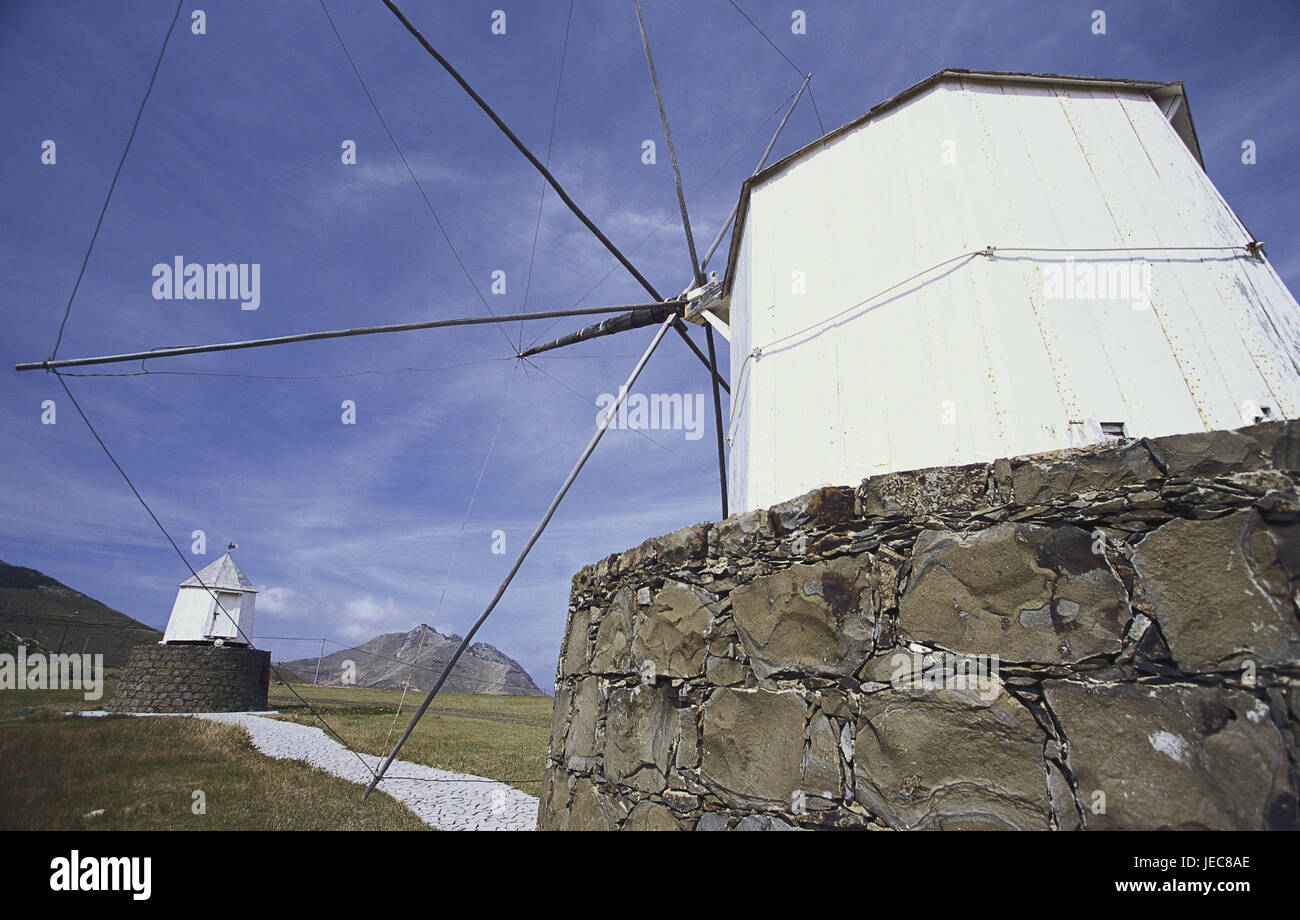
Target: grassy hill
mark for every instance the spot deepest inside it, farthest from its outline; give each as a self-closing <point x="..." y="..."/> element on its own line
<point x="42" y="613"/>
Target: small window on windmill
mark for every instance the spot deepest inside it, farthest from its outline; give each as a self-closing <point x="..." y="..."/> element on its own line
<point x="1115" y="431"/>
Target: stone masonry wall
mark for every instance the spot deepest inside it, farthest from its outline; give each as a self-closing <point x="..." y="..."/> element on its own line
<point x="193" y="678"/>
<point x="794" y="667"/>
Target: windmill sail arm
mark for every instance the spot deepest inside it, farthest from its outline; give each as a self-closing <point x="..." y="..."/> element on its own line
<point x="523" y="149"/>
<point x="654" y="309"/>
<point x="672" y="149"/>
<point x="620" y="323"/>
<point x="726" y="225"/>
<point x="537" y="533"/>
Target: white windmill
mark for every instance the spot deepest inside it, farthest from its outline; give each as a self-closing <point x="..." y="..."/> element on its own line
<point x="990" y="265"/>
<point x="214" y="607"/>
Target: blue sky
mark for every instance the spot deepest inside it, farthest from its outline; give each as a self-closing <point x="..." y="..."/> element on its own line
<point x="350" y="530"/>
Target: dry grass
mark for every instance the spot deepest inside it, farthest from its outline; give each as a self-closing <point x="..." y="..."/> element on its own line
<point x="143" y="772"/>
<point x="55" y="770"/>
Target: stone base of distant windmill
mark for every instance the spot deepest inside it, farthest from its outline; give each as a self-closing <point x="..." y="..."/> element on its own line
<point x="830" y="662"/>
<point x="193" y="678"/>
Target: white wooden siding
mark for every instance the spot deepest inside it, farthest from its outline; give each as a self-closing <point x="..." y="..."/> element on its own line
<point x="972" y="361"/>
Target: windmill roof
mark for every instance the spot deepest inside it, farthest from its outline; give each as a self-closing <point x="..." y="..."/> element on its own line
<point x="224" y="574"/>
<point x="1165" y="93"/>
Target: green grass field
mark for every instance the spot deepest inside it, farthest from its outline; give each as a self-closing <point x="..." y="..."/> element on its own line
<point x="55" y="770"/>
<point x="500" y="737"/>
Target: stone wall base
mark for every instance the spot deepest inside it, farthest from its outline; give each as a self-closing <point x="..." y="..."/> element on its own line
<point x="193" y="678"/>
<point x="1098" y="638"/>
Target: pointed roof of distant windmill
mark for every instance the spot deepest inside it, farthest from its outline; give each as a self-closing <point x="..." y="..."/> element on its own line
<point x="223" y="574"/>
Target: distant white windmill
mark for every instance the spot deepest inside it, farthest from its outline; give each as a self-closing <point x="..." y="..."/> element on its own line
<point x="214" y="607"/>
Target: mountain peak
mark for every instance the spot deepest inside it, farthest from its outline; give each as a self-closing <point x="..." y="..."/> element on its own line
<point x="420" y="655"/>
